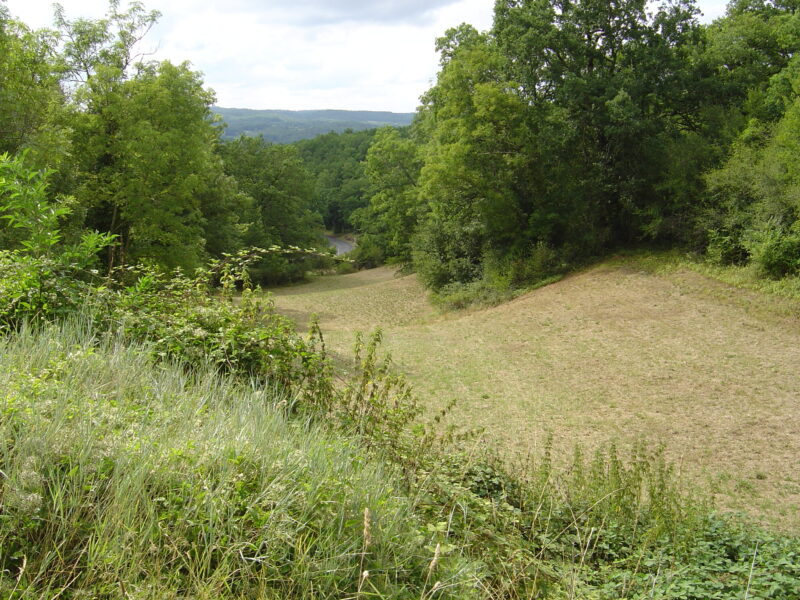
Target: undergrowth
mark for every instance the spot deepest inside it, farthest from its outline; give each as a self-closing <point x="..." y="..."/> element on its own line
<point x="160" y="439"/>
<point x="126" y="479"/>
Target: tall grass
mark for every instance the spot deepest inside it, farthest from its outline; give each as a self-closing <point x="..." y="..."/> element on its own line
<point x="125" y="479"/>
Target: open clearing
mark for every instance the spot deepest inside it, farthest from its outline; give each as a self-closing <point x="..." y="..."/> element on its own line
<point x="614" y="353"/>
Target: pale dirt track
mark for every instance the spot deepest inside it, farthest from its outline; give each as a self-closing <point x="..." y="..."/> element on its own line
<point x="612" y="353"/>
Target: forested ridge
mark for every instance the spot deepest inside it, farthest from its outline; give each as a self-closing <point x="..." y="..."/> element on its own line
<point x="286" y="126"/>
<point x="165" y="433"/>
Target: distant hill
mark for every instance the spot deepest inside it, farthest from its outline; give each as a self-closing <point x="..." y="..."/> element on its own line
<point x="286" y="126"/>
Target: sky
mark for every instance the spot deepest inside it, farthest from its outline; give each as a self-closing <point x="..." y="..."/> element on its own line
<point x="302" y="54"/>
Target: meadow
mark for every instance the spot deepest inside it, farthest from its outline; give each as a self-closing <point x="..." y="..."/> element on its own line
<point x="634" y="349"/>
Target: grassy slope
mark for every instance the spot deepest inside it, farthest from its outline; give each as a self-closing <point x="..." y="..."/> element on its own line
<point x="616" y="352"/>
<point x="124" y="479"/>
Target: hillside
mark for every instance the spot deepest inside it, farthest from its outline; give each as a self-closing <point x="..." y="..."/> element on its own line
<point x="286" y="126"/>
<point x="614" y="353"/>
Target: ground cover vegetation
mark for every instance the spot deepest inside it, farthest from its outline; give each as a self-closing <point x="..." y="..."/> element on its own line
<point x="164" y="433"/>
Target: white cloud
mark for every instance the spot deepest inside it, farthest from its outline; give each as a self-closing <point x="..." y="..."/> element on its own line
<point x="302" y="54"/>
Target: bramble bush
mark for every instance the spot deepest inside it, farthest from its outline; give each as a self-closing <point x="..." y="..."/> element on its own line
<point x="187" y="319"/>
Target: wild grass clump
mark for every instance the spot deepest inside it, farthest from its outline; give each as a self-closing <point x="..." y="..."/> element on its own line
<point x="609" y="527"/>
<point x="122" y="478"/>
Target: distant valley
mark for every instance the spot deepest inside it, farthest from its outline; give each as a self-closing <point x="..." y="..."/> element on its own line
<point x="286" y="126"/>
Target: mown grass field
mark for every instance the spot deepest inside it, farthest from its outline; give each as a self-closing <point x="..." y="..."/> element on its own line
<point x="629" y="349"/>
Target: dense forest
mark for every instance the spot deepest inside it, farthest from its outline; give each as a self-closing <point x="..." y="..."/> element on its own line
<point x="165" y="433"/>
<point x="564" y="132"/>
<point x="572" y="128"/>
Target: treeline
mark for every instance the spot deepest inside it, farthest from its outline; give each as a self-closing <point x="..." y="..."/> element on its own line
<point x="133" y="150"/>
<point x="572" y="128"/>
<point x="567" y="130"/>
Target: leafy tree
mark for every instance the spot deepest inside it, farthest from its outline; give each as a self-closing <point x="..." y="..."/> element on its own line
<point x="336" y="162"/>
<point x="104" y="45"/>
<point x="392" y="168"/>
<point x="281" y="212"/>
<point x="31" y="102"/>
<point x="145" y="147"/>
<point x="568" y="126"/>
<point x="145" y="165"/>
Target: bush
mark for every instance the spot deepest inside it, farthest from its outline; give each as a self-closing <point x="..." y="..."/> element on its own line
<point x="185" y="320"/>
<point x="726" y="248"/>
<point x="777" y="253"/>
<point x="368" y="254"/>
<point x="44" y="278"/>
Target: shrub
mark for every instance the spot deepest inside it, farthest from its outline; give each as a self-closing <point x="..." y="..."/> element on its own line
<point x="186" y="321"/>
<point x="44" y="278"/>
<point x="368" y="254"/>
<point x="777" y="253"/>
<point x="725" y="248"/>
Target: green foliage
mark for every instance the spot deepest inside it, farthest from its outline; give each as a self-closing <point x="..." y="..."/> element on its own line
<point x="584" y="126"/>
<point x="30" y="97"/>
<point x="337" y="163"/>
<point x="185" y="321"/>
<point x="727" y="559"/>
<point x="281" y="213"/>
<point x="392" y="167"/>
<point x="756" y="191"/>
<point x="120" y="478"/>
<point x="44" y="277"/>
<point x="131" y="468"/>
<point x="129" y="464"/>
<point x="150" y="200"/>
<point x="777" y="254"/>
<point x="369" y="253"/>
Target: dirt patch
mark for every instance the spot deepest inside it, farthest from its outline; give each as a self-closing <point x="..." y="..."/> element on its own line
<point x="610" y="354"/>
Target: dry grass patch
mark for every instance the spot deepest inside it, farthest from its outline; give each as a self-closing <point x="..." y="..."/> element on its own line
<point x="613" y="353"/>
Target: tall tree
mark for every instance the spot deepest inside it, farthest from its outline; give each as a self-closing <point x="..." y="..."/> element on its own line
<point x="31" y="103"/>
<point x="392" y="168"/>
<point x="146" y="149"/>
<point x="144" y="144"/>
<point x="282" y="193"/>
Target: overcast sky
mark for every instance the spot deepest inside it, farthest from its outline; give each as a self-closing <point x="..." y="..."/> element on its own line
<point x="303" y="54"/>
